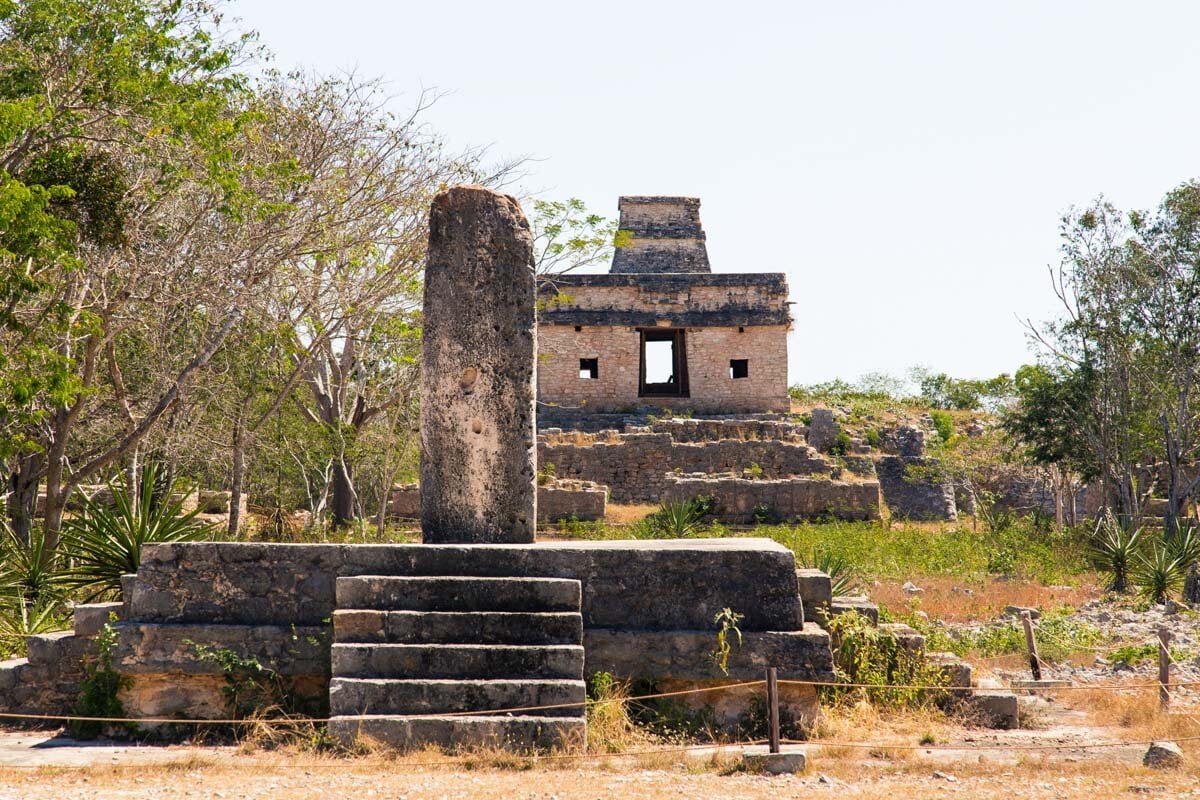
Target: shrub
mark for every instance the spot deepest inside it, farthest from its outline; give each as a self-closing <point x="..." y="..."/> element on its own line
<point x="99" y="688"/>
<point x="943" y="423"/>
<point x="545" y="475"/>
<point x="105" y="543"/>
<point x="753" y="472"/>
<point x="873" y="438"/>
<point x="841" y="444"/>
<point x="865" y="654"/>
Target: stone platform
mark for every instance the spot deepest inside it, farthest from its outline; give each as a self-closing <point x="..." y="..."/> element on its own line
<point x="646" y="609"/>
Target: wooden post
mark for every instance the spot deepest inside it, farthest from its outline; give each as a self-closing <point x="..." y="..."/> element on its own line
<point x="1035" y="666"/>
<point x="1164" y="667"/>
<point x="773" y="709"/>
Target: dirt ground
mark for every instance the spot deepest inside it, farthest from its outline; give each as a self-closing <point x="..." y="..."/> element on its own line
<point x="919" y="758"/>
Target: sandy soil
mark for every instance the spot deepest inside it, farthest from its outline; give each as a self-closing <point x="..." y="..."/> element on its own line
<point x="37" y="766"/>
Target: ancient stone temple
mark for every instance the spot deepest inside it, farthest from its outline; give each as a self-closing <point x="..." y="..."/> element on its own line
<point x="661" y="328"/>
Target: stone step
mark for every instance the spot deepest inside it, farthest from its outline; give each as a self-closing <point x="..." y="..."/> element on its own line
<point x="510" y="733"/>
<point x="351" y="696"/>
<point x="418" y="593"/>
<point x="457" y="661"/>
<point x="449" y="627"/>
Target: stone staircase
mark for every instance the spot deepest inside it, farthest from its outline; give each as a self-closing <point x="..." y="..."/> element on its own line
<point x="411" y="652"/>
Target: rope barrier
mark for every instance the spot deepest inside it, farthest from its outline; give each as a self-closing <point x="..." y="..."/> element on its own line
<point x="581" y="704"/>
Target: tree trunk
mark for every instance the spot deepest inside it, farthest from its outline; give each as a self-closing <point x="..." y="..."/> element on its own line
<point x="23" y="494"/>
<point x="236" y="479"/>
<point x="342" y="507"/>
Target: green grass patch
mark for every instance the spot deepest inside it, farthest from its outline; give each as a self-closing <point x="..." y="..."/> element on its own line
<point x="900" y="552"/>
<point x="878" y="551"/>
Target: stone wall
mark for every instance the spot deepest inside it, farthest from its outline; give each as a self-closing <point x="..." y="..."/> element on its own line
<point x="709" y="351"/>
<point x="635" y="466"/>
<point x="558" y="499"/>
<point x="712" y="430"/>
<point x="745" y="501"/>
<point x="912" y="491"/>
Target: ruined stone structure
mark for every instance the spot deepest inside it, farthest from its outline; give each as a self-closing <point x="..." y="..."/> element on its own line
<point x="748" y="501"/>
<point x="661" y="329"/>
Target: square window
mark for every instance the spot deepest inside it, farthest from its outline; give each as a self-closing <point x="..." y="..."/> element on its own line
<point x="589" y="368"/>
<point x="739" y="368"/>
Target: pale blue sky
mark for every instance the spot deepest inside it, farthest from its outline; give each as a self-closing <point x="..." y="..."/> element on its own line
<point x="904" y="163"/>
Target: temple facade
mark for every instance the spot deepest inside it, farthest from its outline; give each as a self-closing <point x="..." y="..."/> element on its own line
<point x="661" y="328"/>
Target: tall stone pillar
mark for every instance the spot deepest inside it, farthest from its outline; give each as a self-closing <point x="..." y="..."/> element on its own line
<point x="477" y="371"/>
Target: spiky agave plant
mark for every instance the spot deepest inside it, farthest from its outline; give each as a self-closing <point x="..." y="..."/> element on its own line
<point x="841" y="575"/>
<point x="1114" y="551"/>
<point x="1158" y="574"/>
<point x="106" y="540"/>
<point x="30" y="571"/>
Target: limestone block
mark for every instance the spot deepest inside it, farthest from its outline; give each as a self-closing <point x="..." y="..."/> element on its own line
<point x="89" y="619"/>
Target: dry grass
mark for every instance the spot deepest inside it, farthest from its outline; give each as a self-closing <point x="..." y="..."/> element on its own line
<point x="955" y="600"/>
<point x="618" y="514"/>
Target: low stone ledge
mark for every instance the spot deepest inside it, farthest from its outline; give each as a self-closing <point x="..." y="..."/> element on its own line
<point x="155" y="648"/>
<point x="659" y="585"/>
<point x="687" y="655"/>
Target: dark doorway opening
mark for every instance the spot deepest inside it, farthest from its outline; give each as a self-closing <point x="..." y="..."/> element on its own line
<point x="663" y="363"/>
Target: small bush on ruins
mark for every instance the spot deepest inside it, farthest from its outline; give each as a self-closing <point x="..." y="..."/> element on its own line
<point x="98" y="691"/>
<point x="545" y="474"/>
<point x="880" y="667"/>
<point x="250" y="688"/>
<point x="105" y="541"/>
<point x="943" y="423"/>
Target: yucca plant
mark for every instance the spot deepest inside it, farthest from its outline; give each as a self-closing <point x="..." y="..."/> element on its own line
<point x="20" y="618"/>
<point x="105" y="541"/>
<point x="1114" y="551"/>
<point x="677" y="519"/>
<point x="841" y="575"/>
<point x="30" y="571"/>
<point x="1184" y="545"/>
<point x="1159" y="574"/>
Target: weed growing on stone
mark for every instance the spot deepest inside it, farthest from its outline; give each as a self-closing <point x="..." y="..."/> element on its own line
<point x="99" y="688"/>
<point x="727" y="632"/>
<point x="877" y="660"/>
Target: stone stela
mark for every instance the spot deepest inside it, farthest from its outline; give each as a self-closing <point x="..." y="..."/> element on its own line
<point x="477" y="371"/>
